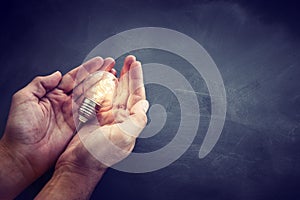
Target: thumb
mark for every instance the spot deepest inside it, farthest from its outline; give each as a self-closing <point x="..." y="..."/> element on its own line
<point x="137" y="120"/>
<point x="140" y="106"/>
<point x="40" y="85"/>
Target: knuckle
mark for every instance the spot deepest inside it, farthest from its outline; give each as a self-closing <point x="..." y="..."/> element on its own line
<point x="37" y="79"/>
<point x="68" y="78"/>
<point x="138" y="94"/>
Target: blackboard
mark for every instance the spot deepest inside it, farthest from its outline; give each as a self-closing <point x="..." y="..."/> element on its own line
<point x="256" y="49"/>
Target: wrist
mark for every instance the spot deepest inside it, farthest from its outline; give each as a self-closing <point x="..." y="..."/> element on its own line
<point x="69" y="182"/>
<point x="15" y="154"/>
<point x="68" y="167"/>
<point x="15" y="171"/>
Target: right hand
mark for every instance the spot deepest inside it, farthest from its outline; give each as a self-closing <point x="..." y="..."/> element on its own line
<point x="109" y="139"/>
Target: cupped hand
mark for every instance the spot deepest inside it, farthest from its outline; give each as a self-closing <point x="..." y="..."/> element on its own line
<point x="111" y="137"/>
<point x="40" y="122"/>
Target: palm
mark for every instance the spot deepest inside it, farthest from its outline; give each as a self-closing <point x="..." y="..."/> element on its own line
<point x="40" y="124"/>
<point x="119" y="126"/>
<point x="45" y="130"/>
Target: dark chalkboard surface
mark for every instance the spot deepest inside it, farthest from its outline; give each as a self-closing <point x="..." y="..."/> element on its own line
<point x="256" y="48"/>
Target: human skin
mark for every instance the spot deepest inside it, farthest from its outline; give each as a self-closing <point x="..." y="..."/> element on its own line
<point x="40" y="125"/>
<point x="78" y="170"/>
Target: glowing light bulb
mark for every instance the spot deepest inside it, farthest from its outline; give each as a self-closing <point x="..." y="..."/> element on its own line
<point x="98" y="90"/>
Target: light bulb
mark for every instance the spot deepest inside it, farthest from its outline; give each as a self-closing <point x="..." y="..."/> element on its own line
<point x="98" y="91"/>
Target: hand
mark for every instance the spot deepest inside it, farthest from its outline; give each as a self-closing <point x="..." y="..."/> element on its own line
<point x="104" y="141"/>
<point x="111" y="137"/>
<point x="40" y="122"/>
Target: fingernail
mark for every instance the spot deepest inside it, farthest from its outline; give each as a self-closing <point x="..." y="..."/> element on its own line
<point x="109" y="60"/>
<point x="56" y="72"/>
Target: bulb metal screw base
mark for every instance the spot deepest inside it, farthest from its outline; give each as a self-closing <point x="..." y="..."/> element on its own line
<point x="88" y="110"/>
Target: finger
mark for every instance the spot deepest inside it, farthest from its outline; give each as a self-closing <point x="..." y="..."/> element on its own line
<point x="141" y="106"/>
<point x="127" y="62"/>
<point x="137" y="120"/>
<point x="77" y="75"/>
<point x="136" y="84"/>
<point x="136" y="81"/>
<point x="113" y="71"/>
<point x="108" y="64"/>
<point x="123" y="86"/>
<point x="40" y="85"/>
